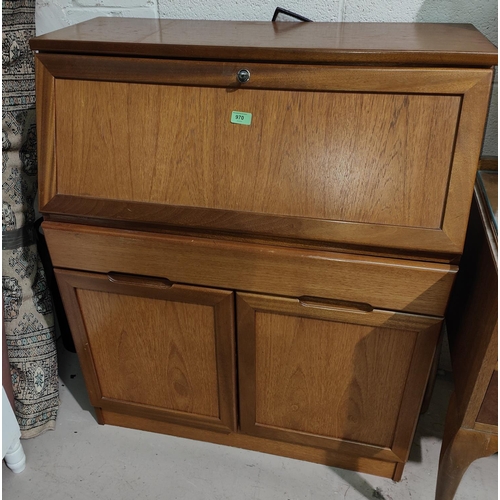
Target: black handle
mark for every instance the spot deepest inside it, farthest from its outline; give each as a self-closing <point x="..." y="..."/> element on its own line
<point x="279" y="11"/>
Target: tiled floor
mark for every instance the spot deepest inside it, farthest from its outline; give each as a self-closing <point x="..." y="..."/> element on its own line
<point x="82" y="460"/>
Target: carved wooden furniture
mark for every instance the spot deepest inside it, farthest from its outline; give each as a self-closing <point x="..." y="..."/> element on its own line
<point x="471" y="430"/>
<point x="255" y="225"/>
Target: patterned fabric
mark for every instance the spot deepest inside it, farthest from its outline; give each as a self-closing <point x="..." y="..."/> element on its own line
<point x="19" y="181"/>
<point x="28" y="318"/>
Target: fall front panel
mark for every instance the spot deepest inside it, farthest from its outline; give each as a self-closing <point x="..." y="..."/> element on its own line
<point x="358" y="157"/>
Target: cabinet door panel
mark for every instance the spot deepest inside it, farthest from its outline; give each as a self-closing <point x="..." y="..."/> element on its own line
<point x="336" y="156"/>
<point x="330" y="376"/>
<point x="183" y="378"/>
<point x="163" y="352"/>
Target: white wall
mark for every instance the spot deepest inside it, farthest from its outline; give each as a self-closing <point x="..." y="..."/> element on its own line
<point x="483" y="14"/>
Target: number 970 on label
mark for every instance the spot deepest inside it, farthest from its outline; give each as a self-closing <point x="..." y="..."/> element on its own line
<point x="241" y="118"/>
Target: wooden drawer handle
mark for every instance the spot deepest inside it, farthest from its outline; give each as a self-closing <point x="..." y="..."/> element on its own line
<point x="132" y="279"/>
<point x="336" y="305"/>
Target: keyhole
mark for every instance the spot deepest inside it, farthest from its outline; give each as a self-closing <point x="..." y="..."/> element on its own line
<point x="243" y="75"/>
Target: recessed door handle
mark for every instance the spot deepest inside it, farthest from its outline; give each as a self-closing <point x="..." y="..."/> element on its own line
<point x="335" y="305"/>
<point x="133" y="279"/>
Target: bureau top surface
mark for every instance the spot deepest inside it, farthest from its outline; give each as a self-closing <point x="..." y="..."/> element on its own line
<point x="319" y="43"/>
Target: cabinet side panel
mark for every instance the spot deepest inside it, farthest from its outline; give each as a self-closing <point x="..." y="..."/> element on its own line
<point x="472" y="321"/>
<point x="45" y="124"/>
<point x="359" y="157"/>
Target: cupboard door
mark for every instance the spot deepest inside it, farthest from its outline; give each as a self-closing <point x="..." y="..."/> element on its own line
<point x="153" y="349"/>
<point x="332" y="374"/>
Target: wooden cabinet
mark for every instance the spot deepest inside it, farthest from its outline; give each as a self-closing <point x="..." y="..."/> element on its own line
<point x="320" y="236"/>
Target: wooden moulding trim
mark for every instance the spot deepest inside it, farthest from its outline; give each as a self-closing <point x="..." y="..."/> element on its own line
<point x="375" y="318"/>
<point x="332" y="458"/>
<point x="329" y="443"/>
<point x="224" y="322"/>
<point x="246" y="365"/>
<point x="467" y="149"/>
<point x="79" y="334"/>
<point x="398" y="471"/>
<point x="163" y="414"/>
<point x="46" y="125"/>
<point x="263" y="76"/>
<point x="251" y="54"/>
<point x="370" y="43"/>
<point x="353" y="233"/>
<point x="488" y="428"/>
<point x="232" y="236"/>
<point x="179" y="293"/>
<point x="418" y="375"/>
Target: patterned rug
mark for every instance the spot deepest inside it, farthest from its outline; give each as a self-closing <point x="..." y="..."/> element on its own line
<point x="28" y="318"/>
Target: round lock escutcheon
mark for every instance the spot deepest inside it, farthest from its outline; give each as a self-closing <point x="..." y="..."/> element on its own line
<point x="243" y="75"/>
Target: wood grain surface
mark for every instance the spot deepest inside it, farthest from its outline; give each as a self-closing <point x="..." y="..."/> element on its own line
<point x="461" y="446"/>
<point x="46" y="132"/>
<point x="382" y="283"/>
<point x="471" y="429"/>
<point x="488" y="413"/>
<point x="332" y="378"/>
<point x="364" y="136"/>
<point x="209" y="73"/>
<point x="148" y="351"/>
<point x="389" y="43"/>
<point x="389" y="217"/>
<point x="472" y="321"/>
<point x="328" y="378"/>
<point x="127" y="334"/>
<point x="317" y="155"/>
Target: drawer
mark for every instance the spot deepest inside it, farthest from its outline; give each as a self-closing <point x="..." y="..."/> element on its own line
<point x="373" y="282"/>
<point x="332" y="376"/>
<point x="371" y="157"/>
<point x="154" y="349"/>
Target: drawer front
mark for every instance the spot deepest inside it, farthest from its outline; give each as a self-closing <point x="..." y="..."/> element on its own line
<point x="332" y="154"/>
<point x="375" y="282"/>
<point x="153" y="349"/>
<point x="332" y="376"/>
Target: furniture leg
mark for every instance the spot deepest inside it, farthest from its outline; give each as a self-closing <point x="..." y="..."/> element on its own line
<point x="460" y="448"/>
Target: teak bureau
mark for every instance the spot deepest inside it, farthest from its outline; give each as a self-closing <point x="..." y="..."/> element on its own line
<point x="255" y="226"/>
